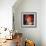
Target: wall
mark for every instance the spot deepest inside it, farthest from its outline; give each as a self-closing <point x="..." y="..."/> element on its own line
<point x="28" y="6"/>
<point x="6" y="13"/>
<point x="6" y="16"/>
<point x="43" y="22"/>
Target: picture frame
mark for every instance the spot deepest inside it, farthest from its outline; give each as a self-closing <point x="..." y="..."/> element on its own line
<point x="29" y="19"/>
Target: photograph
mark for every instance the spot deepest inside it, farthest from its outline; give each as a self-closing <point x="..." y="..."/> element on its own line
<point x="29" y="19"/>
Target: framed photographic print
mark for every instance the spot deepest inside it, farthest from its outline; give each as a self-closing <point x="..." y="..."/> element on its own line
<point x="29" y="19"/>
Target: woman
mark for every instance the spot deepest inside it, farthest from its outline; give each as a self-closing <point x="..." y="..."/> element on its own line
<point x="29" y="20"/>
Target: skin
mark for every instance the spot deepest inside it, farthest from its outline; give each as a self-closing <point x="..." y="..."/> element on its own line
<point x="29" y="20"/>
